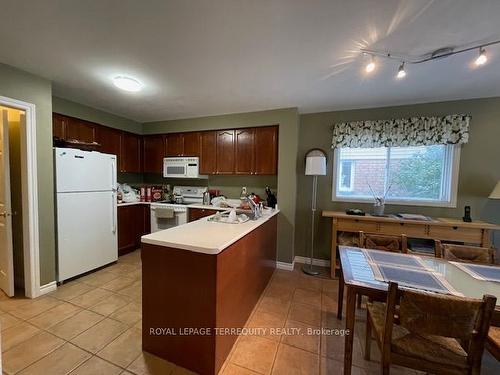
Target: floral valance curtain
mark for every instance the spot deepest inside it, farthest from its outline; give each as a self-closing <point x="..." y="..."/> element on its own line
<point x="413" y="131"/>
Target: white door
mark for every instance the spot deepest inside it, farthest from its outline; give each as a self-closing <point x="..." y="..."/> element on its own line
<point x="6" y="252"/>
<point x="84" y="171"/>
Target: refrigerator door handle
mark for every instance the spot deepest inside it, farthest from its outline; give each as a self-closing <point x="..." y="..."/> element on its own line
<point x="113" y="174"/>
<point x="113" y="216"/>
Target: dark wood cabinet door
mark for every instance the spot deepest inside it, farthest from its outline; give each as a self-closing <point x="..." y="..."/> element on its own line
<point x="109" y="139"/>
<point x="244" y="151"/>
<point x="130" y="153"/>
<point x="59" y="124"/>
<point x="191" y="144"/>
<point x="266" y="150"/>
<point x="225" y="151"/>
<point x="127" y="235"/>
<point x="80" y="130"/>
<point x="198" y="213"/>
<point x="153" y="153"/>
<point x="175" y="144"/>
<point x="208" y="152"/>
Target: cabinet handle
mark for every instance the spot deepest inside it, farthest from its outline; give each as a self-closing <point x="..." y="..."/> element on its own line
<point x="455" y="228"/>
<point x="401" y="224"/>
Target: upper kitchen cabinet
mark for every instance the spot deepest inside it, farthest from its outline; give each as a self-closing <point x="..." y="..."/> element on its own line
<point x="153" y="153"/>
<point x="225" y="151"/>
<point x="266" y="150"/>
<point x="109" y="139"/>
<point x="208" y="155"/>
<point x="244" y="151"/>
<point x="80" y="130"/>
<point x="174" y="144"/>
<point x="59" y="124"/>
<point x="130" y="155"/>
<point x="191" y="144"/>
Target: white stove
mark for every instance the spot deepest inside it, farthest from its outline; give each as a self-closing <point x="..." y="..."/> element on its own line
<point x="165" y="215"/>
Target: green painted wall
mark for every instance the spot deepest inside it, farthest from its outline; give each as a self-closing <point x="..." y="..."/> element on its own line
<point x="69" y="108"/>
<point x="23" y="86"/>
<point x="479" y="165"/>
<point x="288" y="121"/>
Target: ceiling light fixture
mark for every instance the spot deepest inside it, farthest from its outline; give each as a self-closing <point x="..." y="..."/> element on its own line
<point x="482" y="58"/>
<point x="370" y="67"/>
<point x="401" y="71"/>
<point x="127" y="83"/>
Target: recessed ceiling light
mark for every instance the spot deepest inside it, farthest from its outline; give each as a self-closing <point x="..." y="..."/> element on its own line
<point x="127" y="83"/>
<point x="401" y="71"/>
<point x="482" y="58"/>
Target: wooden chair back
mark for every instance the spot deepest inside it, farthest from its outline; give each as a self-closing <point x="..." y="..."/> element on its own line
<point x="396" y="244"/>
<point x="465" y="253"/>
<point x="465" y="319"/>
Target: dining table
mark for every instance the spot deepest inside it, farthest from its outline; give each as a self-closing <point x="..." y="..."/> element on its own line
<point x="360" y="275"/>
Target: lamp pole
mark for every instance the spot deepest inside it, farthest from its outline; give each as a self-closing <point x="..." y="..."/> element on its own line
<point x="309" y="269"/>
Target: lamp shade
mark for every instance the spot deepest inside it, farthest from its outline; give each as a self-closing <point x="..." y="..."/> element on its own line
<point x="315" y="163"/>
<point x="495" y="194"/>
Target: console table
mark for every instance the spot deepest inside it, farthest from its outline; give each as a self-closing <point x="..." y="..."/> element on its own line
<point x="444" y="229"/>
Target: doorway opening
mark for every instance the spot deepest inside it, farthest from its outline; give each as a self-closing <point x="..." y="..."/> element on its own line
<point x="11" y="203"/>
<point x="19" y="246"/>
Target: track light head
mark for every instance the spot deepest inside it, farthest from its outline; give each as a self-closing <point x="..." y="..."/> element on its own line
<point x="370" y="67"/>
<point x="482" y="58"/>
<point x="401" y="71"/>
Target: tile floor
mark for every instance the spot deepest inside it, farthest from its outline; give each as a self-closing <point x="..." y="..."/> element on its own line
<point x="92" y="326"/>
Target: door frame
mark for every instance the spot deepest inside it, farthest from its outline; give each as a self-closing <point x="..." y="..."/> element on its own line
<point x="30" y="196"/>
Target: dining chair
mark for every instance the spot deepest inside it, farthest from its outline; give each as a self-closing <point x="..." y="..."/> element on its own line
<point x="395" y="244"/>
<point x="429" y="332"/>
<point x="465" y="253"/>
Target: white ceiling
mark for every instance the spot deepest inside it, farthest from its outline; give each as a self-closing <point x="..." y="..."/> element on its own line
<point x="209" y="57"/>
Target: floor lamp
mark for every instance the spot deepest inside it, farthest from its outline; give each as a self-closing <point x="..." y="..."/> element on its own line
<point x="315" y="166"/>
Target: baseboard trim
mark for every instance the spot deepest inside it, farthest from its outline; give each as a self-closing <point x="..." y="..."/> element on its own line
<point x="284" y="266"/>
<point x="316" y="262"/>
<point x="47" y="288"/>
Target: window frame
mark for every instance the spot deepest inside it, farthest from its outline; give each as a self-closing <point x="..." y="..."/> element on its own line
<point x="451" y="172"/>
<point x="351" y="177"/>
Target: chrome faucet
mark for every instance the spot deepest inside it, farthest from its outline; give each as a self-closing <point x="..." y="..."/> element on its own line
<point x="256" y="208"/>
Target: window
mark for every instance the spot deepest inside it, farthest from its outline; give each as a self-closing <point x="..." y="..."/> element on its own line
<point x="346" y="175"/>
<point x="421" y="175"/>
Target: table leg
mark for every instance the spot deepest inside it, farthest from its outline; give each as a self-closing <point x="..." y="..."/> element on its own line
<point x="349" y="325"/>
<point x="340" y="300"/>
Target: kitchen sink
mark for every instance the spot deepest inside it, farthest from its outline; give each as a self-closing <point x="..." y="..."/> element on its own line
<point x="242" y="216"/>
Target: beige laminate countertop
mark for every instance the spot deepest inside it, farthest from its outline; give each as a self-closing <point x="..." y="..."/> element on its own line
<point x="204" y="236"/>
<point x="195" y="205"/>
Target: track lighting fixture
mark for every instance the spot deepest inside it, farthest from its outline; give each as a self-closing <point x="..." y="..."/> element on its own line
<point x="370" y="67"/>
<point x="401" y="71"/>
<point x="440" y="53"/>
<point x="482" y="58"/>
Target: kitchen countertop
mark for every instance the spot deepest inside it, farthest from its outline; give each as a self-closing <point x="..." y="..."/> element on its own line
<point x="203" y="236"/>
<point x="194" y="205"/>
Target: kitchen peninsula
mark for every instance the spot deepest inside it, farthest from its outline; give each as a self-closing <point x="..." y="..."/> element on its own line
<point x="201" y="278"/>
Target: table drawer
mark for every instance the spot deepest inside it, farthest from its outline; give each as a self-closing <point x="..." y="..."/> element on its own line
<point x="456" y="233"/>
<point x="356" y="225"/>
<point x="408" y="229"/>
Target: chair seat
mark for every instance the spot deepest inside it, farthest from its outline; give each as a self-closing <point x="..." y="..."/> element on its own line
<point x="493" y="342"/>
<point x="437" y="349"/>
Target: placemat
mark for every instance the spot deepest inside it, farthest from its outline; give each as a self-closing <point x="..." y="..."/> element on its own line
<point x="480" y="272"/>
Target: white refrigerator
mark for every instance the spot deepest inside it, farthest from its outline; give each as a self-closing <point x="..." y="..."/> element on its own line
<point x="86" y="211"/>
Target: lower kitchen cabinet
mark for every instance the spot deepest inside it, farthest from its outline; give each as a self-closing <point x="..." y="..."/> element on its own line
<point x="197" y="213"/>
<point x="133" y="222"/>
